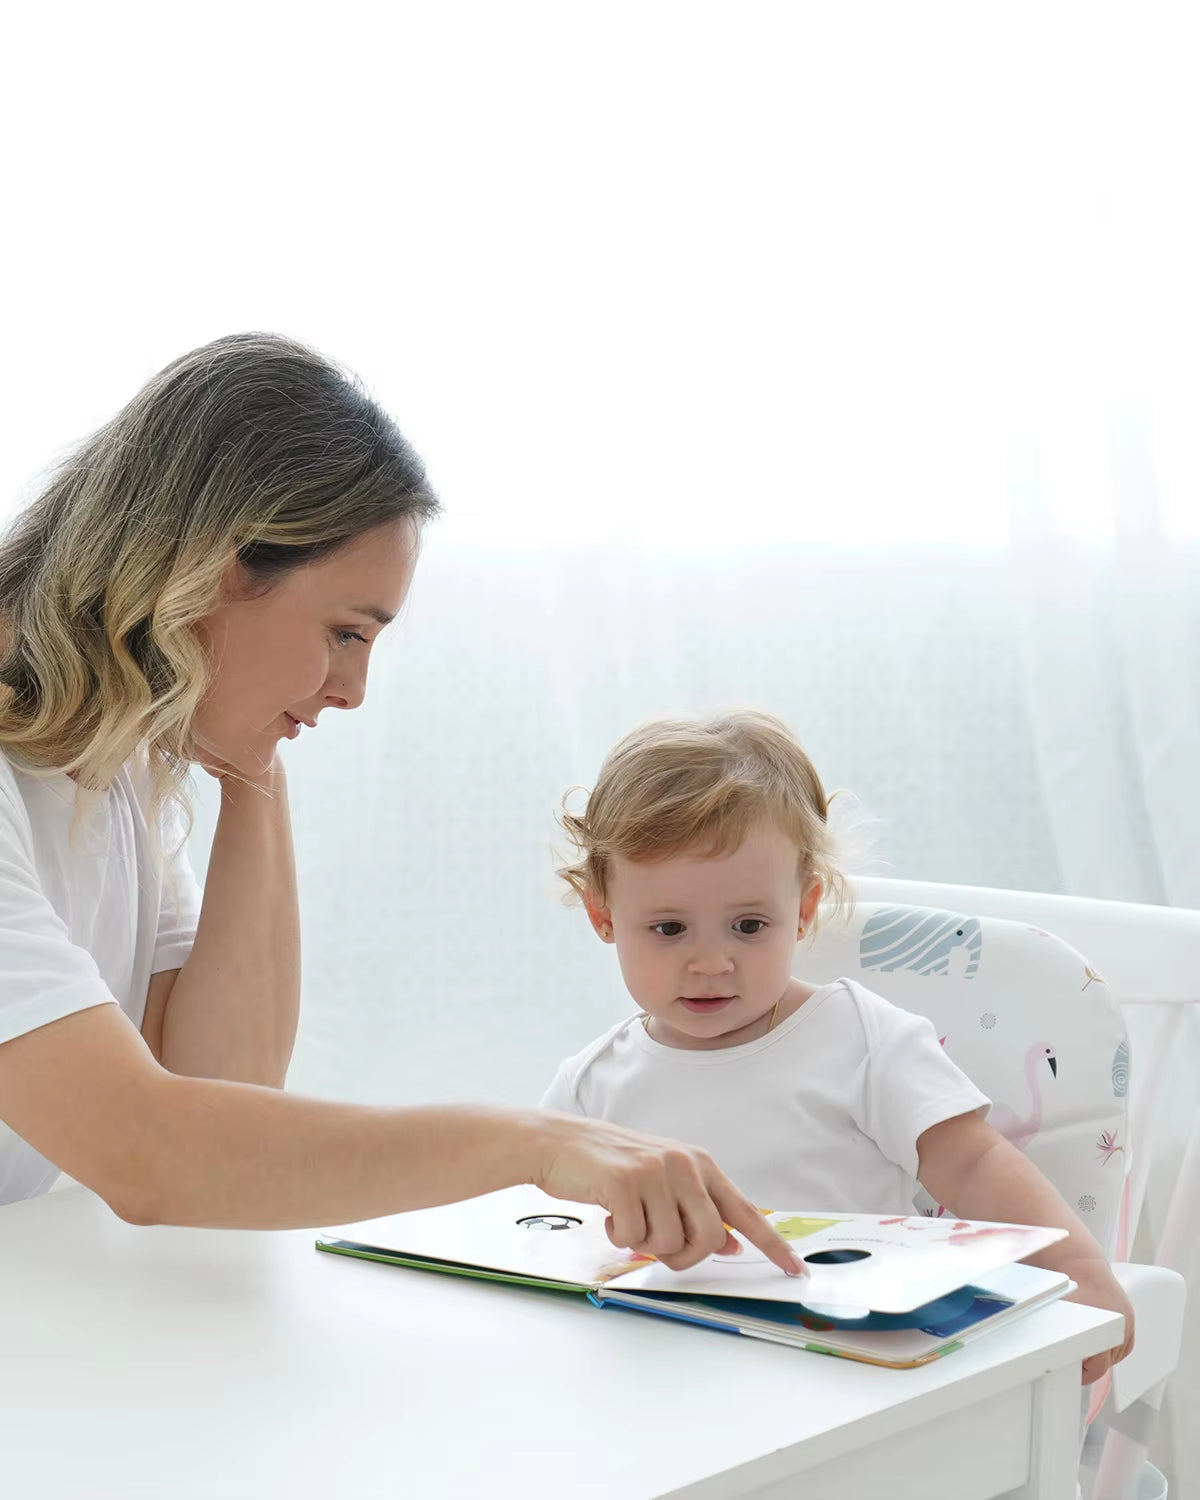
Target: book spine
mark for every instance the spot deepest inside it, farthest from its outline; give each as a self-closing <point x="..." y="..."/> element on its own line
<point x="601" y="1301"/>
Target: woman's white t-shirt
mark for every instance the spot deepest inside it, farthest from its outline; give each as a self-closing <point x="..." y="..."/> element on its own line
<point x="87" y="915"/>
<point x="823" y="1112"/>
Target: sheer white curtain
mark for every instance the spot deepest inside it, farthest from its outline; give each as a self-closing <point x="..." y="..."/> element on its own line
<point x="837" y="360"/>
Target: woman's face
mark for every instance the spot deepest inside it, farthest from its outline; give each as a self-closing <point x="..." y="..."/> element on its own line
<point x="281" y="657"/>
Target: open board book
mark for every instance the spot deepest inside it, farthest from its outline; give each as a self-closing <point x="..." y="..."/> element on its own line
<point x="887" y="1290"/>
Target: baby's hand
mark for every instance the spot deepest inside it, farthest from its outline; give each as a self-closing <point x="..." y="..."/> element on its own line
<point x="1098" y="1287"/>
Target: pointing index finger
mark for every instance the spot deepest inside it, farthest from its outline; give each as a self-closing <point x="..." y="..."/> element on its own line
<point x="746" y="1219"/>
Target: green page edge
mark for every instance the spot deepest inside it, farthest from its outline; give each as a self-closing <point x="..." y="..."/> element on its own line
<point x="447" y="1267"/>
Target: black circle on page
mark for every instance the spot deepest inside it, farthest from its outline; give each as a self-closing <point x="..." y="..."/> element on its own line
<point x="834" y="1257"/>
<point x="550" y="1221"/>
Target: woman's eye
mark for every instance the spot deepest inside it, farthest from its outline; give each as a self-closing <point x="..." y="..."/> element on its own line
<point x="344" y="637"/>
<point x="748" y="926"/>
<point x="668" y="929"/>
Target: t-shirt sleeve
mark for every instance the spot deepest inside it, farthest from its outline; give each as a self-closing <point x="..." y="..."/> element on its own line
<point x="910" y="1084"/>
<point x="561" y="1093"/>
<point x="44" y="976"/>
<point x="179" y="903"/>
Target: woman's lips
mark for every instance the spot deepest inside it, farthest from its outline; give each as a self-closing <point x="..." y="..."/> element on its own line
<point x="294" y="724"/>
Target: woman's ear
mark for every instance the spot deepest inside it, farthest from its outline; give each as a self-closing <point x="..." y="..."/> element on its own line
<point x="808" y="906"/>
<point x="599" y="916"/>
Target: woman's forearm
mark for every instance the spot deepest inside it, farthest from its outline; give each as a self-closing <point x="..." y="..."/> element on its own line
<point x="87" y="1093"/>
<point x="233" y="1008"/>
<point x="232" y="1156"/>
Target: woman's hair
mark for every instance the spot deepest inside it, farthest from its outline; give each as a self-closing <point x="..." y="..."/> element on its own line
<point x="253" y="448"/>
<point x="681" y="786"/>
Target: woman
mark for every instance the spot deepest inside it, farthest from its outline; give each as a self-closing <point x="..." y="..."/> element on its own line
<point x="202" y="577"/>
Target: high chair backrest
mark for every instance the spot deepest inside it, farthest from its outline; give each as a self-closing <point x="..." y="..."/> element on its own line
<point x="1023" y="1015"/>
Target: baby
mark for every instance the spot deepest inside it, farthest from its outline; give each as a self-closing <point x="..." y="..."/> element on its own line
<point x="705" y="853"/>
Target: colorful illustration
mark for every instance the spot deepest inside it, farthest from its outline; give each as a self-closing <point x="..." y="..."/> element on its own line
<point x="1107" y="1146"/>
<point x="967" y="1234"/>
<point x="798" y="1229"/>
<point x="619" y="1267"/>
<point x="1021" y="1129"/>
<point x="922" y="940"/>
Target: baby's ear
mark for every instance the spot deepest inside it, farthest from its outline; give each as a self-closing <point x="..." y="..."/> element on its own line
<point x="599" y="916"/>
<point x="809" y="903"/>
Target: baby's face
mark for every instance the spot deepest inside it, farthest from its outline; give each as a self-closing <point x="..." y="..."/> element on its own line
<point x="706" y="944"/>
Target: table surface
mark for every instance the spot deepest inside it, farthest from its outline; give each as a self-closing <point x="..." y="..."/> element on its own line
<point x="138" y="1362"/>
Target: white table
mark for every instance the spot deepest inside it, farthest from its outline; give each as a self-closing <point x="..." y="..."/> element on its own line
<point x="174" y="1363"/>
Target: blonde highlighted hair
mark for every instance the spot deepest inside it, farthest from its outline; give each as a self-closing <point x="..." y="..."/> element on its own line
<point x="253" y="449"/>
<point x="677" y="786"/>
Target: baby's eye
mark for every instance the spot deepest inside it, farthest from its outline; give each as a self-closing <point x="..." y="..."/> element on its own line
<point x="748" y="926"/>
<point x="668" y="929"/>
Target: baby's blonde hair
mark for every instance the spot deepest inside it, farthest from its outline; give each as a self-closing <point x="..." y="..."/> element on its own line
<point x="677" y="786"/>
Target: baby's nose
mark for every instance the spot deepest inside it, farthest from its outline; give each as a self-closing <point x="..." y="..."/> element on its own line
<point x="710" y="961"/>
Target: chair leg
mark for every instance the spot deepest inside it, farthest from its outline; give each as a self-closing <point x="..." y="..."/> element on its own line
<point x="1126" y="1443"/>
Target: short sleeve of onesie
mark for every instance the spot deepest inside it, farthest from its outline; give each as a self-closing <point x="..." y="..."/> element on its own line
<point x="908" y="1082"/>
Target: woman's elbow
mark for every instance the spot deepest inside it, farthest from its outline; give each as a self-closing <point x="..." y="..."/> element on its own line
<point x="136" y="1191"/>
<point x="134" y="1208"/>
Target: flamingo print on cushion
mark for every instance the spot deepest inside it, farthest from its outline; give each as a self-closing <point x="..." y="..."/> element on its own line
<point x="920" y="939"/>
<point x="1020" y="1130"/>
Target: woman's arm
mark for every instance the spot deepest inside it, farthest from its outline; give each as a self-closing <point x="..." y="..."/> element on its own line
<point x="231" y="1011"/>
<point x="86" y="1092"/>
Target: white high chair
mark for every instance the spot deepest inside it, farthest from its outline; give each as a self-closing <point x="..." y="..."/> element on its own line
<point x="1041" y="1030"/>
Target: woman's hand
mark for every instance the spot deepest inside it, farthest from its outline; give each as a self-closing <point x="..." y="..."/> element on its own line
<point x="663" y="1198"/>
<point x="1096" y="1286"/>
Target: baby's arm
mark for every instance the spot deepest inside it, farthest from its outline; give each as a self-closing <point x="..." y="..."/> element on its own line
<point x="970" y="1168"/>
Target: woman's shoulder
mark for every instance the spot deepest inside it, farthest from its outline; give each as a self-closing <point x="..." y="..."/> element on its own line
<point x="37" y="804"/>
<point x="8" y="774"/>
<point x="14" y="809"/>
<point x="165" y="809"/>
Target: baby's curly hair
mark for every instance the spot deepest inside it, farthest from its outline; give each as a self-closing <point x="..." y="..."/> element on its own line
<point x="691" y="785"/>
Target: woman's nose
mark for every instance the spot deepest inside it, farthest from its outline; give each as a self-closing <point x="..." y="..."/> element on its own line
<point x="346" y="689"/>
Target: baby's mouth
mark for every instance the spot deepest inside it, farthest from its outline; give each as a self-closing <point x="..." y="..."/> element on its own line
<point x="701" y="1004"/>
